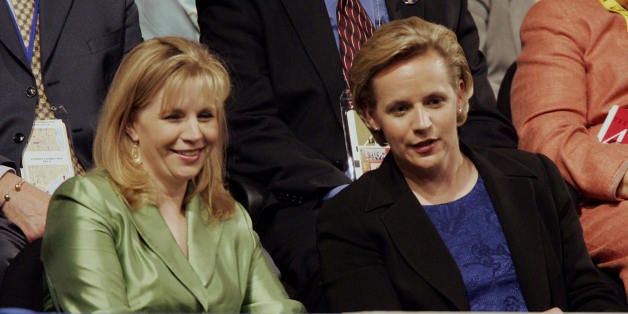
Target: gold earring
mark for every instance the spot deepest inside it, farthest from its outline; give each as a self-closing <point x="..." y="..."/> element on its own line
<point x="135" y="154"/>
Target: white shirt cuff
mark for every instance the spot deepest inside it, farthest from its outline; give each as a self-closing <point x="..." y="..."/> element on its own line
<point x="5" y="169"/>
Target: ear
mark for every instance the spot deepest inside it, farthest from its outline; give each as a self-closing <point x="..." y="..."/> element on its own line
<point x="460" y="92"/>
<point x="131" y="132"/>
<point x="370" y="120"/>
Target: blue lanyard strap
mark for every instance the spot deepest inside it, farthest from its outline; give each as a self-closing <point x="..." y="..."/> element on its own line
<point x="28" y="52"/>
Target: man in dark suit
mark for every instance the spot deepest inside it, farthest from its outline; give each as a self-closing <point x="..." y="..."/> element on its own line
<point x="285" y="117"/>
<point x="81" y="45"/>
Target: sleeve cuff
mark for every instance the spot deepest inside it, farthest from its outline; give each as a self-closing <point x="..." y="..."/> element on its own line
<point x="5" y="169"/>
<point x="334" y="191"/>
<point x="617" y="180"/>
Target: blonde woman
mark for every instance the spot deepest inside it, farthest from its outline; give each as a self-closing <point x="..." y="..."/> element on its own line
<point x="153" y="229"/>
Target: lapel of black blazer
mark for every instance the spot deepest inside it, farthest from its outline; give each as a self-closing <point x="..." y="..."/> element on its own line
<point x="510" y="185"/>
<point x="8" y="35"/>
<point x="310" y="21"/>
<point x="414" y="235"/>
<point x="52" y="18"/>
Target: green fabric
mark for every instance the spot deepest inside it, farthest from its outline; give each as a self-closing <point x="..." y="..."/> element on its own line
<point x="99" y="256"/>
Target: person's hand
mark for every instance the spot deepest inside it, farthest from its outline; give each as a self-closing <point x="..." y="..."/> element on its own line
<point x="553" y="310"/>
<point x="26" y="208"/>
<point x="622" y="189"/>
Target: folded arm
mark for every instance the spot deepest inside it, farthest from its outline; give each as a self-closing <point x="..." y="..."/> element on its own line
<point x="559" y="103"/>
<point x="24" y="205"/>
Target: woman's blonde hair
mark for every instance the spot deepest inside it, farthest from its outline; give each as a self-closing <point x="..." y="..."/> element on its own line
<point x="400" y="41"/>
<point x="163" y="64"/>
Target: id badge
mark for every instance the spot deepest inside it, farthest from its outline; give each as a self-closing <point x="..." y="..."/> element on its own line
<point x="47" y="160"/>
<point x="363" y="153"/>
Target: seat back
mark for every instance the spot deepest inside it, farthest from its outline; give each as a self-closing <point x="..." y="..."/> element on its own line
<point x="248" y="192"/>
<point x="503" y="95"/>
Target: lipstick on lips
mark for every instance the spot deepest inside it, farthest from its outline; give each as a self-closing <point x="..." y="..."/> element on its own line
<point x="425" y="146"/>
<point x="190" y="156"/>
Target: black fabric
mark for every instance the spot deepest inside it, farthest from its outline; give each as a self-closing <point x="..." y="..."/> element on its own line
<point x="611" y="278"/>
<point x="248" y="193"/>
<point x="12" y="240"/>
<point x="503" y="96"/>
<point x="23" y="284"/>
<point x="289" y="237"/>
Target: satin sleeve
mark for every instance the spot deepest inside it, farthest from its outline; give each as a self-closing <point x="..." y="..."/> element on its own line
<point x="264" y="291"/>
<point x="83" y="272"/>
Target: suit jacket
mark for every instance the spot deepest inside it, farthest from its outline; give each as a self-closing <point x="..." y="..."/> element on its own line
<point x="498" y="23"/>
<point x="99" y="255"/>
<point x="560" y="106"/>
<point x="82" y="43"/>
<point x="284" y="116"/>
<point x="380" y="250"/>
<point x="168" y="18"/>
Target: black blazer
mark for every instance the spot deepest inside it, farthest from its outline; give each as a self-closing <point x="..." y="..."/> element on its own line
<point x="380" y="250"/>
<point x="82" y="44"/>
<point x="284" y="115"/>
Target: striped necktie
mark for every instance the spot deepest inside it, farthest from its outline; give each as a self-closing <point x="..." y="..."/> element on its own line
<point x="354" y="28"/>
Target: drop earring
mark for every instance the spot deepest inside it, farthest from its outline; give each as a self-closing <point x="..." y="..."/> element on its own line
<point x="135" y="154"/>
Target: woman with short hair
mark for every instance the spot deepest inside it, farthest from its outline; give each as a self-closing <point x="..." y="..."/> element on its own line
<point x="441" y="225"/>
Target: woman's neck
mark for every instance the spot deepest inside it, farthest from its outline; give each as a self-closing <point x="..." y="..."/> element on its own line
<point x="170" y="205"/>
<point x="443" y="185"/>
<point x="169" y="195"/>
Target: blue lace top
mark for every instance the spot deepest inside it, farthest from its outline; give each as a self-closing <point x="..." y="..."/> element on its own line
<point x="471" y="231"/>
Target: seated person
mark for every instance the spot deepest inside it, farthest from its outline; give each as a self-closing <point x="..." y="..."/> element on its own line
<point x="571" y="71"/>
<point x="76" y="63"/>
<point x="153" y="229"/>
<point x="441" y="225"/>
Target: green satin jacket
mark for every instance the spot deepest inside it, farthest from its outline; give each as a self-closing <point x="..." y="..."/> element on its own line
<point x="100" y="256"/>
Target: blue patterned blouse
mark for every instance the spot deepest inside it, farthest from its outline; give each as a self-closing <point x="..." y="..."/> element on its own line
<point x="471" y="231"/>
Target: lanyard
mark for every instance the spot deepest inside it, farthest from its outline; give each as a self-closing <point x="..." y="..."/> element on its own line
<point x="28" y="52"/>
